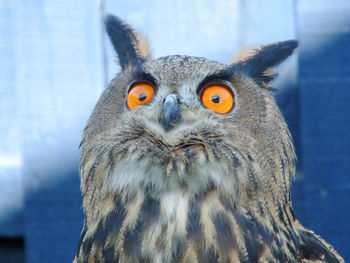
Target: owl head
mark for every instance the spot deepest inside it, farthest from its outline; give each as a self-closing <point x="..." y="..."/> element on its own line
<point x="184" y="122"/>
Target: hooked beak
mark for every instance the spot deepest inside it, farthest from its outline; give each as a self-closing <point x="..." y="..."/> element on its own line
<point x="170" y="112"/>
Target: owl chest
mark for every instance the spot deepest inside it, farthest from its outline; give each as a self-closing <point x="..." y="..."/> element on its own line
<point x="180" y="228"/>
<point x="160" y="231"/>
<point x="177" y="228"/>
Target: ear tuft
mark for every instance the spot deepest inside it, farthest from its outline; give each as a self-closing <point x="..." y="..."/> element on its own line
<point x="246" y="53"/>
<point x="257" y="62"/>
<point x="132" y="48"/>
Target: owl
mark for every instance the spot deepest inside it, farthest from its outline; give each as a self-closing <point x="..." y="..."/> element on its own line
<point x="190" y="160"/>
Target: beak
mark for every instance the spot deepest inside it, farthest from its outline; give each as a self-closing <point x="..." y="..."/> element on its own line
<point x="170" y="112"/>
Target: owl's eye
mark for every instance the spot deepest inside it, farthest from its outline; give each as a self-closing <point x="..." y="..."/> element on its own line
<point x="140" y="93"/>
<point x="218" y="97"/>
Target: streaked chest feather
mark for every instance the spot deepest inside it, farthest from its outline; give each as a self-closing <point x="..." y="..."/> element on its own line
<point x="178" y="227"/>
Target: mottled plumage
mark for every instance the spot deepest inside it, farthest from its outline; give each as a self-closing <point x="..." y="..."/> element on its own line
<point x="192" y="185"/>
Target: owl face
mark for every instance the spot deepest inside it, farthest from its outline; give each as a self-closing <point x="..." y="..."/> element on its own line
<point x="175" y="101"/>
<point x="183" y="92"/>
<point x="186" y="122"/>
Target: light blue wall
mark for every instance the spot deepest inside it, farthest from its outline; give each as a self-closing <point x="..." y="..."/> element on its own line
<point x="11" y="194"/>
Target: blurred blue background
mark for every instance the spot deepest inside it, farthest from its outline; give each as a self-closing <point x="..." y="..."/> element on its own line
<point x="55" y="61"/>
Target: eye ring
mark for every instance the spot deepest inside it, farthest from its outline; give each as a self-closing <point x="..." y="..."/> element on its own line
<point x="140" y="93"/>
<point x="217" y="97"/>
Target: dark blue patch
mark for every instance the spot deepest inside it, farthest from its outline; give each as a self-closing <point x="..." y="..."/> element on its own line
<point x="178" y="248"/>
<point x="194" y="230"/>
<point x="224" y="234"/>
<point x="109" y="254"/>
<point x="206" y="255"/>
<point x="109" y="225"/>
<point x="132" y="238"/>
<point x="252" y="230"/>
<point x="132" y="241"/>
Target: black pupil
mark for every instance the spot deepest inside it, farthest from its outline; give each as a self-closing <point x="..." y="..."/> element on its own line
<point x="142" y="97"/>
<point x="215" y="99"/>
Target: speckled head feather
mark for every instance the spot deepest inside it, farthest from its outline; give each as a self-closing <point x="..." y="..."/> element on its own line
<point x="175" y="179"/>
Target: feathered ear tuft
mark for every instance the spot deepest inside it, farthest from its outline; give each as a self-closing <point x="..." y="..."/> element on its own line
<point x="132" y="48"/>
<point x="257" y="62"/>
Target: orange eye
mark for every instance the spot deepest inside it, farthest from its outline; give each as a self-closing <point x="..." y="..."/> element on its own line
<point x="140" y="93"/>
<point x="218" y="98"/>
